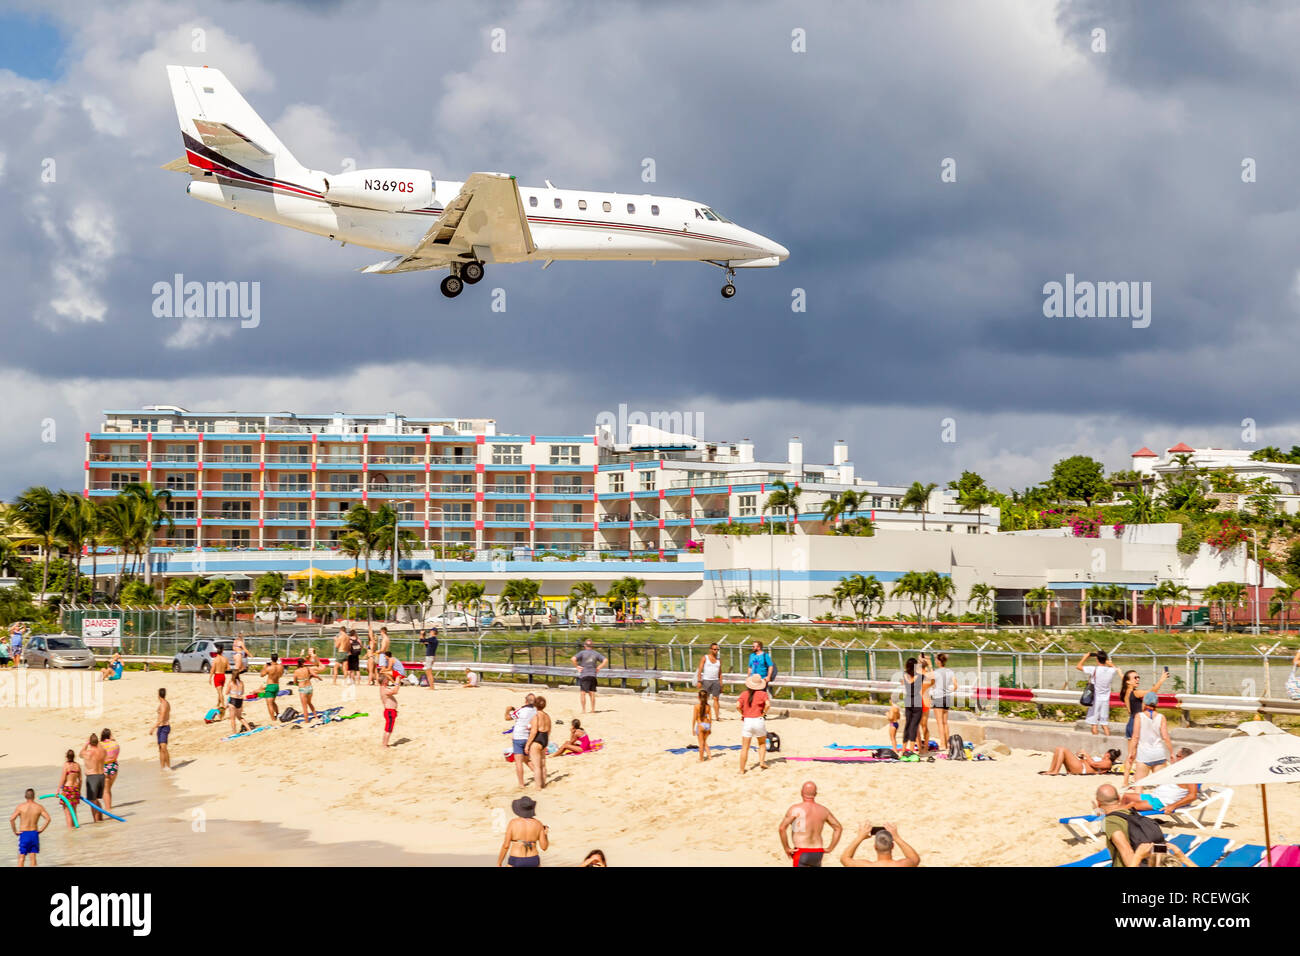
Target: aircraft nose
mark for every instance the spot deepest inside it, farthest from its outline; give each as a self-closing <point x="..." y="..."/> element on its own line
<point x="778" y="250"/>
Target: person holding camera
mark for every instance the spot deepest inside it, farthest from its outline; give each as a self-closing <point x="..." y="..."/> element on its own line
<point x="1100" y="676"/>
<point x="884" y="839"/>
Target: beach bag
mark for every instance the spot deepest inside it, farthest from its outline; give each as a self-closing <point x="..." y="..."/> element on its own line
<point x="1089" y="693"/>
<point x="1293" y="685"/>
<point x="287" y="715"/>
<point x="956" y="748"/>
<point x="1142" y="829"/>
<point x="773" y="742"/>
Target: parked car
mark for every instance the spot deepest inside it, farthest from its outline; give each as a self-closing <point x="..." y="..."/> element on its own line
<point x="788" y="617"/>
<point x="537" y="616"/>
<point x="287" y="615"/>
<point x="666" y="619"/>
<point x="196" y="658"/>
<point x="451" y="621"/>
<point x="604" y="616"/>
<point x="1100" y="620"/>
<point x="57" y="650"/>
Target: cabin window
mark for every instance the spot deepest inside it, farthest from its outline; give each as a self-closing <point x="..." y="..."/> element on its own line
<point x="532" y="201"/>
<point x="582" y="204"/>
<point x="606" y="206"/>
<point x="559" y="203"/>
<point x="654" y="210"/>
<point x="631" y="207"/>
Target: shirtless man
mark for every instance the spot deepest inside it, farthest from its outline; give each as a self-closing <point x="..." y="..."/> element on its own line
<point x="388" y="699"/>
<point x="884" y="839"/>
<point x="340" y="651"/>
<point x="306" y="672"/>
<point x="272" y="671"/>
<point x="163" y="727"/>
<point x="806" y="821"/>
<point x="28" y="815"/>
<point x="94" y="756"/>
<point x="220" y="665"/>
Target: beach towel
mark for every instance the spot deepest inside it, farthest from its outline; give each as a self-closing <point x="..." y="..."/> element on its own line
<point x="695" y="748"/>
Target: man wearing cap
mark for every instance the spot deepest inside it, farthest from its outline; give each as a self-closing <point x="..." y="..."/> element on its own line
<point x="806" y="821"/>
<point x="1150" y="746"/>
<point x="525" y="836"/>
<point x="753" y="705"/>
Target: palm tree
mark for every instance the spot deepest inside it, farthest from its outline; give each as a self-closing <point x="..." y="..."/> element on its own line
<point x="762" y="602"/>
<point x="349" y="544"/>
<point x="76" y="525"/>
<point x="626" y="594"/>
<point x="368" y="529"/>
<point x="153" y="514"/>
<point x="976" y="499"/>
<point x="1042" y="598"/>
<point x="41" y="512"/>
<point x="982" y="597"/>
<point x="913" y="586"/>
<point x="121" y="525"/>
<point x="269" y="587"/>
<point x="940" y="590"/>
<point x="1143" y="508"/>
<point x="784" y="499"/>
<point x="917" y="497"/>
<point x="1226" y="594"/>
<point x="521" y="595"/>
<point x="392" y="541"/>
<point x="582" y="595"/>
<point x="188" y="592"/>
<point x="836" y="507"/>
<point x="1280" y="602"/>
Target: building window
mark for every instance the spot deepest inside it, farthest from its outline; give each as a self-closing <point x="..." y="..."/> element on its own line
<point x="507" y="454"/>
<point x="459" y="511"/>
<point x="654" y="210"/>
<point x="971" y="529"/>
<point x="559" y="203"/>
<point x="606" y="206"/>
<point x="748" y="506"/>
<point x="631" y="207"/>
<point x="567" y="485"/>
<point x="582" y="204"/>
<point x="181" y="482"/>
<point x="875" y="501"/>
<point x="120" y="479"/>
<point x="532" y="201"/>
<point x="947" y="527"/>
<point x="564" y="455"/>
<point x="616" y="483"/>
<point x="646" y="480"/>
<point x="180" y="509"/>
<point x="511" y="512"/>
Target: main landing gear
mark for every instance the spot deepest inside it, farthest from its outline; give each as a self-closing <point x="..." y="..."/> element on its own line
<point x="729" y="289"/>
<point x="462" y="274"/>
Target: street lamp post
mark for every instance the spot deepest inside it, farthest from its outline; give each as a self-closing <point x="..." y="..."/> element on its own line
<point x="1254" y="534"/>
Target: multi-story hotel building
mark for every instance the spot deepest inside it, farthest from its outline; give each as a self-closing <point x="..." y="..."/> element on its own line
<point x="272" y="480"/>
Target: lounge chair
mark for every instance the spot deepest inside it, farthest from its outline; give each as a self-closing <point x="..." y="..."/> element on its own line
<point x="1207" y="852"/>
<point x="1100" y="858"/>
<point x="1248" y="854"/>
<point x="1285" y="856"/>
<point x="1091" y="826"/>
<point x="1194" y="813"/>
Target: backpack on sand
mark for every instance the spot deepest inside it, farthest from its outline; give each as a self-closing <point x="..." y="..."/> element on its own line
<point x="1140" y="829"/>
<point x="956" y="747"/>
<point x="773" y="742"/>
<point x="287" y="715"/>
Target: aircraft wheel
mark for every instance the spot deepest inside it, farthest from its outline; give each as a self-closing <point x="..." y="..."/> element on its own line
<point x="452" y="286"/>
<point x="471" y="272"/>
<point x="728" y="291"/>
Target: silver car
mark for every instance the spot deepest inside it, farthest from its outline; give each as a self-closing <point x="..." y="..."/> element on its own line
<point x="197" y="656"/>
<point x="57" y="650"/>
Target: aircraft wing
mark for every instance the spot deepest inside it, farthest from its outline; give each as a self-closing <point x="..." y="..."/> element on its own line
<point x="486" y="220"/>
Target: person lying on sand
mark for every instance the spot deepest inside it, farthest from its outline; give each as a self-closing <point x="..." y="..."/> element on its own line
<point x="1080" y="763"/>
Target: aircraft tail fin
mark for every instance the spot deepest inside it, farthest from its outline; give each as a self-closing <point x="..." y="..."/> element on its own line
<point x="219" y="128"/>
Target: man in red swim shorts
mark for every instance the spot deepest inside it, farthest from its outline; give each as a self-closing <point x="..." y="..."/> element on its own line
<point x="388" y="698"/>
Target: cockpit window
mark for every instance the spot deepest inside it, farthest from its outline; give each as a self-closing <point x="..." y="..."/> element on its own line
<point x="714" y="214"/>
<point x="710" y="216"/>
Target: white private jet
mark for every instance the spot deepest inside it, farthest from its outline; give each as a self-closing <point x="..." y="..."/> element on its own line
<point x="236" y="162"/>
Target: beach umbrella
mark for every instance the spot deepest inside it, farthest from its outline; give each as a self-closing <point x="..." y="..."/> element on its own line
<point x="1257" y="752"/>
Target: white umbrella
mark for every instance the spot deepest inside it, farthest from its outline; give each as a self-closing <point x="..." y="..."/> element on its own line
<point x="1258" y="752"/>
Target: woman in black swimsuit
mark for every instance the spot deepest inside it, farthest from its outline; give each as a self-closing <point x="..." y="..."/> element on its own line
<point x="539" y="736"/>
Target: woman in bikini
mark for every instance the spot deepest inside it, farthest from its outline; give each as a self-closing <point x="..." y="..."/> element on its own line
<point x="112" y="750"/>
<point x="70" y="787"/>
<point x="525" y="836"/>
<point x="539" y="736"/>
<point x="235" y="698"/>
<point x="1080" y="763"/>
<point x="578" y="742"/>
<point x="1131" y="693"/>
<point x="701" y="724"/>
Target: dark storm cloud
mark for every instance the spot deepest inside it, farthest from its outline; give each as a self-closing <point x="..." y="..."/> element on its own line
<point x="922" y="296"/>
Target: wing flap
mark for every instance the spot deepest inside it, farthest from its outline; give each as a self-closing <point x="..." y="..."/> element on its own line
<point x="488" y="212"/>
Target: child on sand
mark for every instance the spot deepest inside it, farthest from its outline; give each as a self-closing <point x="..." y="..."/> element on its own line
<point x="895" y="715"/>
<point x="701" y="725"/>
<point x="578" y="741"/>
<point x="70" y="787"/>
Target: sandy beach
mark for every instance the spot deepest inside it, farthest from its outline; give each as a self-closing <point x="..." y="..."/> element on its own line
<point x="446" y="787"/>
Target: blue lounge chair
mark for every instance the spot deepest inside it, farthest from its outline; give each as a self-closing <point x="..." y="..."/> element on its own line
<point x="1100" y="858"/>
<point x="1248" y="855"/>
<point x="1184" y="841"/>
<point x="1208" y="851"/>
